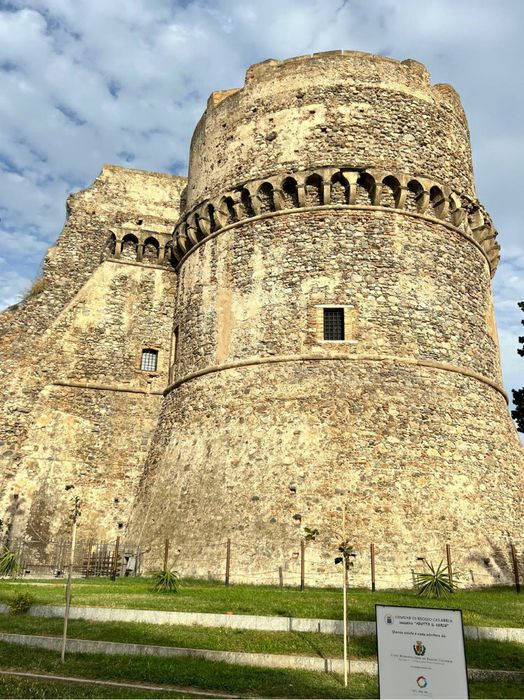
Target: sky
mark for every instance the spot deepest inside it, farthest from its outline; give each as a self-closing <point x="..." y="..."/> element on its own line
<point x="90" y="82"/>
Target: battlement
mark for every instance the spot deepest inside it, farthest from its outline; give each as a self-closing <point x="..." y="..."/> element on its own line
<point x="359" y="65"/>
<point x="119" y="193"/>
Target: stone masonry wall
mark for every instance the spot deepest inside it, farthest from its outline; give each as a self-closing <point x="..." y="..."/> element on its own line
<point x="335" y="180"/>
<point x="404" y="421"/>
<point x="84" y="324"/>
<point x="418" y="456"/>
<point x="411" y="288"/>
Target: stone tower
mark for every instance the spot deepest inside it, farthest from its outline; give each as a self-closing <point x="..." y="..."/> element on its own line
<point x="334" y="338"/>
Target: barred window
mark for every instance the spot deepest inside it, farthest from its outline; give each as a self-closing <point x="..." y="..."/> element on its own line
<point x="333" y="324"/>
<point x="149" y="360"/>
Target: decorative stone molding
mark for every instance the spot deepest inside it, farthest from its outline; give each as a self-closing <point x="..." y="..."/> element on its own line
<point x="326" y="357"/>
<point x="351" y="187"/>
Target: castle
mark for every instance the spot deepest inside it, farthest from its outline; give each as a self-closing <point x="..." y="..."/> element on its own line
<point x="304" y="323"/>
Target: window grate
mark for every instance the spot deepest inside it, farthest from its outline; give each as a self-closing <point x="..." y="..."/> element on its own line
<point x="149" y="360"/>
<point x="333" y="324"/>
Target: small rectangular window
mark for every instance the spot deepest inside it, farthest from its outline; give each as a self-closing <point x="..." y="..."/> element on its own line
<point x="149" y="360"/>
<point x="333" y="324"/>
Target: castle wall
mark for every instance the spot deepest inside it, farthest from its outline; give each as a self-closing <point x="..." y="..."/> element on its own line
<point x="410" y="287"/>
<point x="269" y="428"/>
<point x="76" y="407"/>
<point x="418" y="456"/>
<point x="338" y="181"/>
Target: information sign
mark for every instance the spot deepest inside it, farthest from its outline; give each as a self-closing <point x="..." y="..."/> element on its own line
<point x="420" y="653"/>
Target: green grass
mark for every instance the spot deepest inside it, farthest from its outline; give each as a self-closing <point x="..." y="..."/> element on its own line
<point x="242" y="680"/>
<point x="495" y="607"/>
<point x="305" y="643"/>
<point x="12" y="687"/>
<point x="17" y="688"/>
<point x="495" y="689"/>
<point x="501" y="656"/>
<point x="485" y="654"/>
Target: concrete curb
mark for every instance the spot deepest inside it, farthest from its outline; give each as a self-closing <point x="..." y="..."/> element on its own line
<point x="248" y="622"/>
<point x="239" y="658"/>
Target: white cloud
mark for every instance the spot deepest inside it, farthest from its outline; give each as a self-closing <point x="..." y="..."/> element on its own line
<point x="88" y="82"/>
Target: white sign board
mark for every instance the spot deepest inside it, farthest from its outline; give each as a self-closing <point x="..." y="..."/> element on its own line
<point x="420" y="653"/>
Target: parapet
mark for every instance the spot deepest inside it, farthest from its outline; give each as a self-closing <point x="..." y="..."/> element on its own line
<point x="335" y="106"/>
<point x="358" y="65"/>
<point x="341" y="187"/>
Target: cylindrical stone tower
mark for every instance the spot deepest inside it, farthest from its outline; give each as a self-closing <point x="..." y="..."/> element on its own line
<point x="334" y="341"/>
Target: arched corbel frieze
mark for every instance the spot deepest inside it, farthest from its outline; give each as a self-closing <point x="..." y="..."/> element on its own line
<point x="332" y="186"/>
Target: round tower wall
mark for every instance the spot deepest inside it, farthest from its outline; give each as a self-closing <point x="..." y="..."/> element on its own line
<point x="409" y="288"/>
<point x="268" y="427"/>
<point x="418" y="457"/>
<point x="341" y="107"/>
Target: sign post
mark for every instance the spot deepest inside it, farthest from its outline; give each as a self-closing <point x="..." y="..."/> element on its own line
<point x="420" y="653"/>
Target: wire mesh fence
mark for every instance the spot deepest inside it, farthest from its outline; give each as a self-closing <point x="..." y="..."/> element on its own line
<point x="304" y="564"/>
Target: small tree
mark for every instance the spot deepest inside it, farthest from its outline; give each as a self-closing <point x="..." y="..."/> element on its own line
<point x="74" y="514"/>
<point x="518" y="394"/>
<point x="310" y="534"/>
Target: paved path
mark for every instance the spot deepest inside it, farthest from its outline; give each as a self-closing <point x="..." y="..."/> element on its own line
<point x="117" y="684"/>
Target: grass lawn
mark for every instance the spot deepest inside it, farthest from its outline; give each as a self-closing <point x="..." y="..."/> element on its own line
<point x="486" y="654"/>
<point x="495" y="607"/>
<point x="241" y="680"/>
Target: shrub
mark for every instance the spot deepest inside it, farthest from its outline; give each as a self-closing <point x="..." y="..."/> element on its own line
<point x="165" y="581"/>
<point x="9" y="562"/>
<point x="38" y="286"/>
<point x="20" y="603"/>
<point x="435" y="583"/>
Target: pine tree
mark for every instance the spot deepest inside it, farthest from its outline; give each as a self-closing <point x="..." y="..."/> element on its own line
<point x="518" y="394"/>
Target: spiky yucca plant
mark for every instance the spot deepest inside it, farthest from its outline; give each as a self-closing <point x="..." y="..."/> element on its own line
<point x="9" y="562"/>
<point x="165" y="581"/>
<point x="435" y="583"/>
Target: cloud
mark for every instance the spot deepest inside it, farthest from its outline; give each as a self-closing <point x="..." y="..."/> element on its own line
<point x="13" y="285"/>
<point x="92" y="81"/>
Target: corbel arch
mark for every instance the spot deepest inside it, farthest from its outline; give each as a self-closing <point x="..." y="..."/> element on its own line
<point x="129" y="247"/>
<point x="151" y="250"/>
<point x="365" y="188"/>
<point x="314" y="190"/>
<point x="339" y="189"/>
<point x="391" y="192"/>
<point x="289" y="192"/>
<point x="265" y="197"/>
